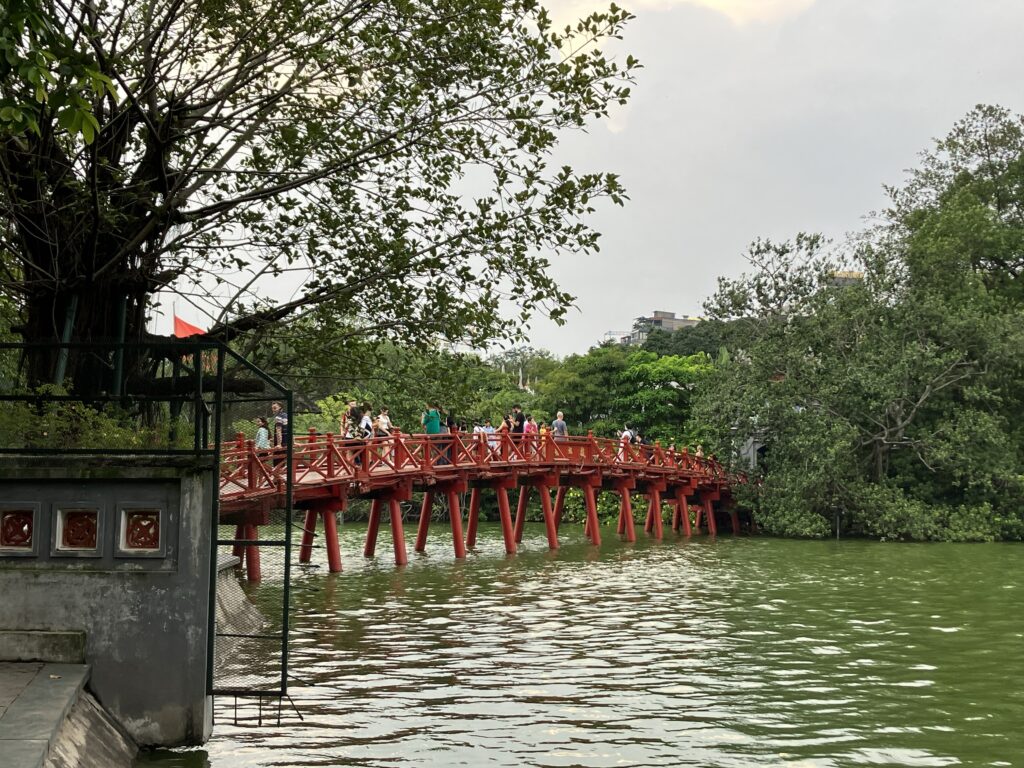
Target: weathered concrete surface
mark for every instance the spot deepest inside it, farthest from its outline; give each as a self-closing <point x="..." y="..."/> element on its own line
<point x="38" y="698"/>
<point x="145" y="620"/>
<point x="89" y="738"/>
<point x="57" y="647"/>
<point x="14" y="678"/>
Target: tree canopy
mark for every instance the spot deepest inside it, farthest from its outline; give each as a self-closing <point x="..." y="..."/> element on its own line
<point x="887" y="395"/>
<point x="388" y="164"/>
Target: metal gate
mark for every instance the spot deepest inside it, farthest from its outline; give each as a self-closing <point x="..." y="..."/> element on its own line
<point x="249" y="589"/>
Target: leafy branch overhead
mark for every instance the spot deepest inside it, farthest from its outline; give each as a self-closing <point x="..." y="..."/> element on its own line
<point x="382" y="165"/>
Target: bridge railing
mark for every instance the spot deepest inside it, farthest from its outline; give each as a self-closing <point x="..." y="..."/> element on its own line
<point x="248" y="472"/>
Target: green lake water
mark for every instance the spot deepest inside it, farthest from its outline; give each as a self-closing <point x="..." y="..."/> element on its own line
<point x="702" y="652"/>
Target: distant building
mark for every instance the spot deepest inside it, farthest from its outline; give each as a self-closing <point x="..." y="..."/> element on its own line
<point x="642" y="326"/>
<point x="846" y="278"/>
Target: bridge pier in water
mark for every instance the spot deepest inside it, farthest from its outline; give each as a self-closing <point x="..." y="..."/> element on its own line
<point x="390" y="499"/>
<point x="451" y="491"/>
<point x="325" y="509"/>
<point x="627" y="525"/>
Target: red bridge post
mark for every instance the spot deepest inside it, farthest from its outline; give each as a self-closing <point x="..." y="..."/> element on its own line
<point x="559" y="505"/>
<point x="308" y="532"/>
<point x="681" y="517"/>
<point x="426" y="509"/>
<point x="654" y="523"/>
<point x="372" y="529"/>
<point x="626" y="523"/>
<point x="397" y="534"/>
<point x="505" y="513"/>
<point x="455" y="516"/>
<point x="253" y="571"/>
<point x="593" y="527"/>
<point x="329" y="511"/>
<point x="549" y="517"/>
<point x="709" y="512"/>
<point x="239" y="549"/>
<point x="524" y="500"/>
<point x="474" y="516"/>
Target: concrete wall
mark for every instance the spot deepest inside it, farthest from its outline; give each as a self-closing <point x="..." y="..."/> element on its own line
<point x="143" y="604"/>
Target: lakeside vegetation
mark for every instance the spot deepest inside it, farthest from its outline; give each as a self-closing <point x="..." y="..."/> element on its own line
<point x="881" y="375"/>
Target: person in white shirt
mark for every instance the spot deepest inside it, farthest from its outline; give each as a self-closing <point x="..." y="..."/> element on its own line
<point x="384" y="423"/>
<point x="492" y="435"/>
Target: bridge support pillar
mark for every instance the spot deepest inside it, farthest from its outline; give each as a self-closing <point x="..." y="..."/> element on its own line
<point x="734" y="518"/>
<point x="709" y="513"/>
<point x="253" y="571"/>
<point x="474" y="517"/>
<point x="505" y="513"/>
<point x="308" y="532"/>
<point x="426" y="509"/>
<point x="654" y="523"/>
<point x="329" y="514"/>
<point x="455" y="515"/>
<point x="559" y="505"/>
<point x="397" y="534"/>
<point x="627" y="526"/>
<point x="326" y="510"/>
<point x="681" y="517"/>
<point x="372" y="528"/>
<point x="549" y="517"/>
<point x="239" y="550"/>
<point x="593" y="527"/>
<point x="524" y="500"/>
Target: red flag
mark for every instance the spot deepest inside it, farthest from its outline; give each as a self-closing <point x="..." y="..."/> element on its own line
<point x="183" y="329"/>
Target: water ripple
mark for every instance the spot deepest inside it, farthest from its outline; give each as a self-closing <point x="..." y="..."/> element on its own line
<point x="746" y="652"/>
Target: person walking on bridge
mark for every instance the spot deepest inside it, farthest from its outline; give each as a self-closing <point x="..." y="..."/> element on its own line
<point x="559" y="429"/>
<point x="281" y="431"/>
<point x="431" y="421"/>
<point x="384" y="424"/>
<point x="349" y="426"/>
<point x="518" y="428"/>
<point x="262" y="434"/>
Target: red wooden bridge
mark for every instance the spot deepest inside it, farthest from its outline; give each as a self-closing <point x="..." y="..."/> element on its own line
<point x="327" y="472"/>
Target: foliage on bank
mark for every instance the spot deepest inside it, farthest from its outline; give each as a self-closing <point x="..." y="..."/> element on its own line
<point x="883" y="376"/>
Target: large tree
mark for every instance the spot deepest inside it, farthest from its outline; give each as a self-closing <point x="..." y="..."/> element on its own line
<point x="889" y="398"/>
<point x="388" y="162"/>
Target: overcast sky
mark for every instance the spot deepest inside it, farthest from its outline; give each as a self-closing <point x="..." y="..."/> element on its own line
<point x="766" y="118"/>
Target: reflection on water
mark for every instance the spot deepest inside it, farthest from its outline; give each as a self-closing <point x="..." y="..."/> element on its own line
<point x="734" y="652"/>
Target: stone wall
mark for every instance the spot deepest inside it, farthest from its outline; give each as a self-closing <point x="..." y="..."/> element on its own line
<point x="122" y="552"/>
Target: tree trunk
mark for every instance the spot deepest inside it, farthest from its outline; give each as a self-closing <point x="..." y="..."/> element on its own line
<point x="93" y="314"/>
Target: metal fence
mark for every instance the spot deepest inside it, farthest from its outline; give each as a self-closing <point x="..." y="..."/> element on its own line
<point x="253" y="544"/>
